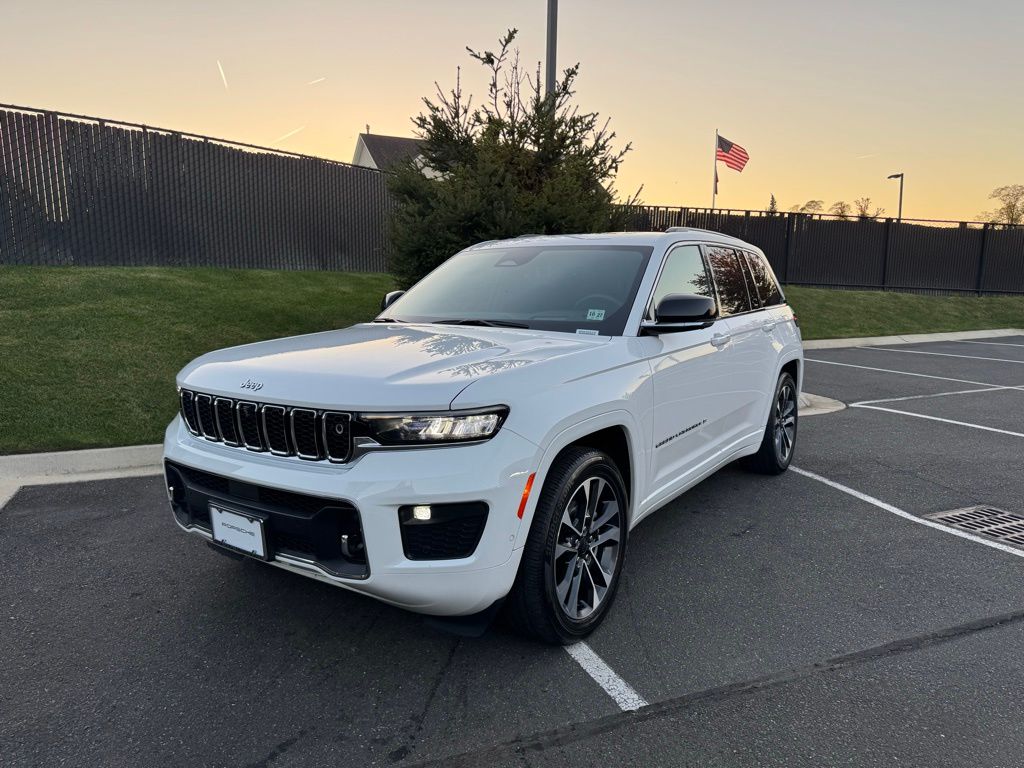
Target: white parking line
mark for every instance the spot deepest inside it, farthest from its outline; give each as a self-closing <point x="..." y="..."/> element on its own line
<point x="620" y="691"/>
<point x="945" y="354"/>
<point x="907" y="516"/>
<point x="993" y="343"/>
<point x="923" y="397"/>
<point x="937" y="418"/>
<point x="908" y="373"/>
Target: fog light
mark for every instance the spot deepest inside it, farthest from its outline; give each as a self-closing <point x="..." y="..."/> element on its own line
<point x="421" y="513"/>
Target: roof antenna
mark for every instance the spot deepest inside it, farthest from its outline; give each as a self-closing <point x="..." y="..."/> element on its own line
<point x="367" y="129"/>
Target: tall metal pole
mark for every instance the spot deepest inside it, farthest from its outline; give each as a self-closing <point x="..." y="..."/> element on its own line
<point x="549" y="80"/>
<point x="714" y="171"/>
<point x="899" y="214"/>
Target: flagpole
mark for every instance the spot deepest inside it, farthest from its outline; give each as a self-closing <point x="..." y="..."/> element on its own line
<point x="714" y="172"/>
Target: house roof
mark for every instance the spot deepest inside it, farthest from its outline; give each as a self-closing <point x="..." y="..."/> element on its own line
<point x="388" y="150"/>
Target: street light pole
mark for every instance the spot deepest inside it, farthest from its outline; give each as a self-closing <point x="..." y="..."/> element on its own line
<point x="899" y="215"/>
<point x="549" y="80"/>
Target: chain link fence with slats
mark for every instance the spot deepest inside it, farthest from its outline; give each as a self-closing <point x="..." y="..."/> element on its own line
<point x="80" y="190"/>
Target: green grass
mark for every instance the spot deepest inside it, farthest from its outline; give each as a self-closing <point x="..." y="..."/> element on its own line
<point x="830" y="314"/>
<point x="88" y="355"/>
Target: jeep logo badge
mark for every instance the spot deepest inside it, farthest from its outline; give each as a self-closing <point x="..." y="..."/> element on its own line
<point x="255" y="386"/>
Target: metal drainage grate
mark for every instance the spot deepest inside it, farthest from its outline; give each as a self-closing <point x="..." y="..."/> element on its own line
<point x="988" y="521"/>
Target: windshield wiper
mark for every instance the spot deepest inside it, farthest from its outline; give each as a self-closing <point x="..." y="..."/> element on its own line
<point x="479" y="321"/>
<point x="386" y="320"/>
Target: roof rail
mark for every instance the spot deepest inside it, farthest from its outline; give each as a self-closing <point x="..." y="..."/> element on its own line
<point x="529" y="234"/>
<point x="695" y="229"/>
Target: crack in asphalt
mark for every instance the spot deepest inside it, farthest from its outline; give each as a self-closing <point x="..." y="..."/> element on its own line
<point x="567" y="734"/>
<point x="416" y="721"/>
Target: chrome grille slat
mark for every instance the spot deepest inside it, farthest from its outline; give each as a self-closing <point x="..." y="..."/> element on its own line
<point x="275" y="429"/>
<point x="224" y="412"/>
<point x="303" y="423"/>
<point x="306" y="433"/>
<point x="204" y="415"/>
<point x="336" y="429"/>
<point x="249" y="426"/>
<point x="188" y="410"/>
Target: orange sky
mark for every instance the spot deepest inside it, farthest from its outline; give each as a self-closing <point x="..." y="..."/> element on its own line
<point x="827" y="98"/>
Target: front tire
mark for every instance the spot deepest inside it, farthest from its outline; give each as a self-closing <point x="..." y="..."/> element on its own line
<point x="575" y="552"/>
<point x="779" y="441"/>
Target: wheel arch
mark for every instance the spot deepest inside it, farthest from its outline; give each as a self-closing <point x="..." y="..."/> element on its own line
<point x="613" y="433"/>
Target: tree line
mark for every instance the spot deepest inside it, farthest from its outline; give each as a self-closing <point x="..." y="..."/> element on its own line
<point x="1009" y="211"/>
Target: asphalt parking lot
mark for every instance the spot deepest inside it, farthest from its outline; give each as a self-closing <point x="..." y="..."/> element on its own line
<point x="804" y="620"/>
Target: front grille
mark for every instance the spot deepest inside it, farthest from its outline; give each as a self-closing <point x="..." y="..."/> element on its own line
<point x="452" y="531"/>
<point x="325" y="531"/>
<point x="310" y="434"/>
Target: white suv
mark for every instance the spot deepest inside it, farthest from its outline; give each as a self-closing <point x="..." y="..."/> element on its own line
<point x="497" y="431"/>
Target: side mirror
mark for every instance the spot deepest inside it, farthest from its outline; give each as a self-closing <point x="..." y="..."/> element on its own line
<point x="681" y="312"/>
<point x="390" y="298"/>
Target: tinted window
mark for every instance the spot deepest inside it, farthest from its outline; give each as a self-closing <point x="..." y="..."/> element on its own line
<point x="730" y="280"/>
<point x="764" y="281"/>
<point x="556" y="288"/>
<point x="683" y="272"/>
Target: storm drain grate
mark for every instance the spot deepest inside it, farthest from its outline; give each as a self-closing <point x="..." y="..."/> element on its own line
<point x="988" y="521"/>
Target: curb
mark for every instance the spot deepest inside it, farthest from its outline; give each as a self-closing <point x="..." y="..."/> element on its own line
<point x="77" y="466"/>
<point x="911" y="338"/>
<point x="815" y="405"/>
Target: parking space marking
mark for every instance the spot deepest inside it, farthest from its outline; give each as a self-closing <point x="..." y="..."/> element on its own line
<point x="908" y="373"/>
<point x="938" y="418"/>
<point x="993" y="343"/>
<point x="946" y="354"/>
<point x="907" y="515"/>
<point x="923" y="397"/>
<point x="621" y="692"/>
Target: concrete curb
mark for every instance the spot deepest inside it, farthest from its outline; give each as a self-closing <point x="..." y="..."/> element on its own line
<point x="77" y="466"/>
<point x="911" y="338"/>
<point x="815" y="405"/>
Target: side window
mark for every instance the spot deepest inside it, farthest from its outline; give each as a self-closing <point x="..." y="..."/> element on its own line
<point x="684" y="272"/>
<point x="732" y="283"/>
<point x="764" y="281"/>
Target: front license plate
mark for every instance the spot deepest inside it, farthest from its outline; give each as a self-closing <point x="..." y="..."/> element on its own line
<point x="238" y="531"/>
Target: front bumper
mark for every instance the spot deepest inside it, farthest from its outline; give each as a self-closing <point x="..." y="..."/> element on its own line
<point x="376" y="485"/>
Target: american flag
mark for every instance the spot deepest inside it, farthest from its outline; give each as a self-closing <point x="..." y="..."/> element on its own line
<point x="733" y="155"/>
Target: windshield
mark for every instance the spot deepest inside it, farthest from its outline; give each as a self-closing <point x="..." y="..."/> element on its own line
<point x="571" y="288"/>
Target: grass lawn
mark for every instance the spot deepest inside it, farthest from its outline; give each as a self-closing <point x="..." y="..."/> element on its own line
<point x="831" y="314"/>
<point x="88" y="355"/>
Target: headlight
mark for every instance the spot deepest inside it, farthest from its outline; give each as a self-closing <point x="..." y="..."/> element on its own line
<point x="437" y="427"/>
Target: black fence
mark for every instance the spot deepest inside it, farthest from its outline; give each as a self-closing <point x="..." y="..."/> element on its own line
<point x="854" y="252"/>
<point x="86" y="191"/>
<point x="82" y="190"/>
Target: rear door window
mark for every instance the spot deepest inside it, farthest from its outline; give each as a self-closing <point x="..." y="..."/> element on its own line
<point x="765" y="285"/>
<point x="730" y="280"/>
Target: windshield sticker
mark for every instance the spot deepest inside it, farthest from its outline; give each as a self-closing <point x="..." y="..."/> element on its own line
<point x="595" y="314"/>
<point x="587" y="332"/>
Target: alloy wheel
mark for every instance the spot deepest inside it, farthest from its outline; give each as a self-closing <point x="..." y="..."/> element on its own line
<point x="784" y="415"/>
<point x="587" y="547"/>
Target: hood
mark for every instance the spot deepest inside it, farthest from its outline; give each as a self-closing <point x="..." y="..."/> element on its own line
<point x="375" y="366"/>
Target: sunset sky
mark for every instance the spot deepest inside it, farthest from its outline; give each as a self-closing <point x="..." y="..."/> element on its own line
<point x="827" y="98"/>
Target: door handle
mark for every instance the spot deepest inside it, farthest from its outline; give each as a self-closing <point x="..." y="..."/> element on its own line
<point x="768" y="326"/>
<point x="720" y="339"/>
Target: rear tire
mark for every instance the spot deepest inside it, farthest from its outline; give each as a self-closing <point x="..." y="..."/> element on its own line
<point x="575" y="552"/>
<point x="779" y="441"/>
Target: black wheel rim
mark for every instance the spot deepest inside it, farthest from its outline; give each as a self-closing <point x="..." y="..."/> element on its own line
<point x="784" y="422"/>
<point x="587" y="547"/>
